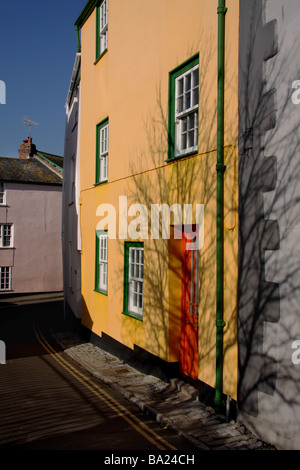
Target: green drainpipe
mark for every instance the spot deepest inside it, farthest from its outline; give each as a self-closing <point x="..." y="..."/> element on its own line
<point x="78" y="39"/>
<point x="220" y="205"/>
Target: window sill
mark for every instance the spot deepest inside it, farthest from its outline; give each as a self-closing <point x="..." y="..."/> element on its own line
<point x="180" y="157"/>
<point x="101" y="182"/>
<point x="136" y="316"/>
<point x="100" y="56"/>
<point x="99" y="291"/>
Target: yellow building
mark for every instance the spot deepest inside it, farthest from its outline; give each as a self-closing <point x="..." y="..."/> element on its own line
<point x="148" y="195"/>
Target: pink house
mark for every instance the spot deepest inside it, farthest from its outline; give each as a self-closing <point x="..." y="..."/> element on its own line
<point x="30" y="222"/>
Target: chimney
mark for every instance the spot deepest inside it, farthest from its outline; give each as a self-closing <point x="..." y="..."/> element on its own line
<point x="27" y="149"/>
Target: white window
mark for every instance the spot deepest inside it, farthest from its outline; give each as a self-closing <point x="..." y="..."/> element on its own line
<point x="102" y="145"/>
<point x="5" y="278"/>
<point x="6" y="236"/>
<point x="103" y="258"/>
<point x="103" y="153"/>
<point x="186" y="111"/>
<point x="103" y="26"/>
<point x="2" y="194"/>
<point x="136" y="280"/>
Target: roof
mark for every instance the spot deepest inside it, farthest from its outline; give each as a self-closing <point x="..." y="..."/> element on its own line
<point x="86" y="12"/>
<point x="32" y="170"/>
<point x="55" y="159"/>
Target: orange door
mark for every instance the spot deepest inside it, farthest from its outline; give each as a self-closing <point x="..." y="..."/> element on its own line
<point x="189" y="308"/>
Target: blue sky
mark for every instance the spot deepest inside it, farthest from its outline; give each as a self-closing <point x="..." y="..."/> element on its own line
<point x="37" y="52"/>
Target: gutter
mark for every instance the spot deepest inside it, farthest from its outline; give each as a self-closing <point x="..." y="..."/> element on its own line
<point x="84" y="15"/>
<point x="220" y="168"/>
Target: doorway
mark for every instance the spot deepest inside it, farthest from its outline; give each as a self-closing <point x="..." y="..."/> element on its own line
<point x="189" y="355"/>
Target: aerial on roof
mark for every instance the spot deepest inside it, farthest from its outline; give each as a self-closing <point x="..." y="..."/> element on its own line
<point x="31" y="170"/>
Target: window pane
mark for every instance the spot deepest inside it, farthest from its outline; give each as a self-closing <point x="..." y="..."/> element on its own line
<point x="180" y="104"/>
<point x="180" y="86"/>
<point x="183" y="141"/>
<point x="195" y="78"/>
<point x="188" y="82"/>
<point x="6" y="240"/>
<point x="191" y="139"/>
<point x="191" y="122"/>
<point x="187" y="100"/>
<point x="104" y="274"/>
<point x="195" y="97"/>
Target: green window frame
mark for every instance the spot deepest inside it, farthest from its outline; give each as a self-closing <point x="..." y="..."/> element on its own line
<point x="183" y="109"/>
<point x="133" y="295"/>
<point x="101" y="28"/>
<point x="102" y="148"/>
<point x="101" y="262"/>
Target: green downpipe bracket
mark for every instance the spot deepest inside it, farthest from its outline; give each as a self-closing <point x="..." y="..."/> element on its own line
<point x="220" y="167"/>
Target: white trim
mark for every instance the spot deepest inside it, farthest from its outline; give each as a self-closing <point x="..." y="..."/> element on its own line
<point x="186" y="111"/>
<point x="103" y="261"/>
<point x="5" y="271"/>
<point x="103" y="152"/>
<point x="103" y="25"/>
<point x="2" y="235"/>
<point x="2" y="194"/>
<point x="136" y="280"/>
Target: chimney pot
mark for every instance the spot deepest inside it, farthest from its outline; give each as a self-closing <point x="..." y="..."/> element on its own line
<point x="27" y="149"/>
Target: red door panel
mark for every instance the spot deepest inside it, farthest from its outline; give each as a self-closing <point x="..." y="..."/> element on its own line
<point x="189" y="309"/>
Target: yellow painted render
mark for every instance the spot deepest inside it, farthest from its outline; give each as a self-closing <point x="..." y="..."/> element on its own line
<point x="129" y="84"/>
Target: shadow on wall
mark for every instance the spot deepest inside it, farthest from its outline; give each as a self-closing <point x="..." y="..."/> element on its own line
<point x="186" y="181"/>
<point x="266" y="195"/>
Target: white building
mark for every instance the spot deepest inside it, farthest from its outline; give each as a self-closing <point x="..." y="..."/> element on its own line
<point x="71" y="192"/>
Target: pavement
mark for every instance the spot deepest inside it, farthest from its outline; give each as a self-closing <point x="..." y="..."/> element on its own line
<point x="174" y="405"/>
